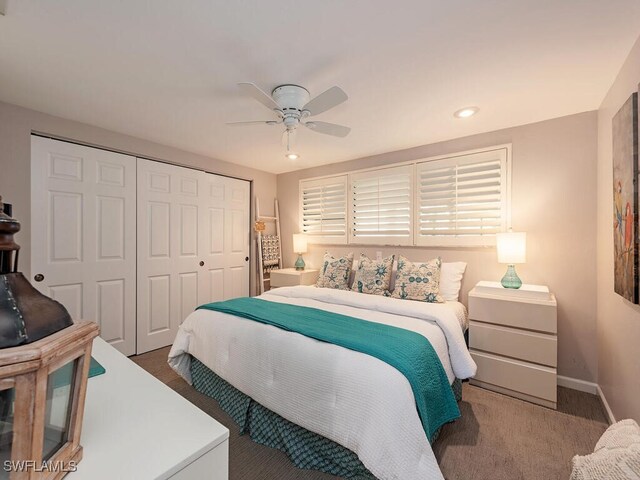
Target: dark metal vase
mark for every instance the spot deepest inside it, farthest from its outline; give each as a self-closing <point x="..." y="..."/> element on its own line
<point x="25" y="314"/>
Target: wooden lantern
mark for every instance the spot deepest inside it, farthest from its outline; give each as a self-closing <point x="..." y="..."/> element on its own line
<point x="44" y="367"/>
<point x="42" y="392"/>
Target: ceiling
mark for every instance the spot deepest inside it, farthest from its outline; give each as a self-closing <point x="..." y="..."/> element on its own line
<point x="167" y="71"/>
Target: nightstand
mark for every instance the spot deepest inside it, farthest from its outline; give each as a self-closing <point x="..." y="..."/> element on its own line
<point x="513" y="340"/>
<point x="289" y="277"/>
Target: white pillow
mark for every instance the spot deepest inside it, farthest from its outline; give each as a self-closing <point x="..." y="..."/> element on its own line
<point x="451" y="280"/>
<point x="394" y="274"/>
<point x="352" y="277"/>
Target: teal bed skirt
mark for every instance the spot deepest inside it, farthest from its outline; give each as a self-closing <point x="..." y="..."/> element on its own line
<point x="306" y="449"/>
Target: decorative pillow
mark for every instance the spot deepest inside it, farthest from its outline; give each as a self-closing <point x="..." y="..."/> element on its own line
<point x="335" y="272"/>
<point x="616" y="457"/>
<point x="418" y="281"/>
<point x="451" y="280"/>
<point x="373" y="276"/>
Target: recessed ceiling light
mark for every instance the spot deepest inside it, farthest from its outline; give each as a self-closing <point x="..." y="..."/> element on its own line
<point x="292" y="156"/>
<point x="466" y="112"/>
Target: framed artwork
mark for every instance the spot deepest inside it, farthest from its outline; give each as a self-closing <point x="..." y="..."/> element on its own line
<point x="625" y="200"/>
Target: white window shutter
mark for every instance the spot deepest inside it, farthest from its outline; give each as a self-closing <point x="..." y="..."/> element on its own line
<point x="380" y="206"/>
<point x="461" y="200"/>
<point x="323" y="209"/>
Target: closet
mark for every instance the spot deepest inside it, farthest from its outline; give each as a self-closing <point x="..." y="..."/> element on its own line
<point x="134" y="244"/>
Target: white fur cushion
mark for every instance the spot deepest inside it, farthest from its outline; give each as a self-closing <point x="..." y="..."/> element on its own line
<point x="616" y="457"/>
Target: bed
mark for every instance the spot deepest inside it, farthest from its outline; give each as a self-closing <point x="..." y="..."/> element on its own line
<point x="352" y="399"/>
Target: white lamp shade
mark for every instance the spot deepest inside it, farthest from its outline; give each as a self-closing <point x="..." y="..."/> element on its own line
<point x="299" y="243"/>
<point x="511" y="247"/>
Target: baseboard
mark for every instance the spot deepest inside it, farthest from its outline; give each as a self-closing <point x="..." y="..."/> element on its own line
<point x="606" y="406"/>
<point x="577" y="384"/>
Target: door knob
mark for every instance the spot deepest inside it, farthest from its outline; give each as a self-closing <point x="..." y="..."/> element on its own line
<point x="39" y="277"/>
<point x="201" y="263"/>
<point x="246" y="259"/>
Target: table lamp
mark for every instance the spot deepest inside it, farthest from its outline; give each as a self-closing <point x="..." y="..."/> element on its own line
<point x="511" y="247"/>
<point x="299" y="247"/>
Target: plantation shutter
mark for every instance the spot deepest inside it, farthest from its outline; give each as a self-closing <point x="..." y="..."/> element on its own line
<point x="461" y="200"/>
<point x="381" y="202"/>
<point x="324" y="209"/>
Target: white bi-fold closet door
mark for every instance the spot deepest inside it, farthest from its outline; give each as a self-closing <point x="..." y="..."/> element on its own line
<point x="83" y="234"/>
<point x="134" y="244"/>
<point x="193" y="246"/>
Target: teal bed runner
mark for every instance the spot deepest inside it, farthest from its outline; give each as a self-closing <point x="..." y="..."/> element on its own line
<point x="408" y="352"/>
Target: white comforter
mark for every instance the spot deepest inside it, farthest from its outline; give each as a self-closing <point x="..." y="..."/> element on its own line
<point x="349" y="397"/>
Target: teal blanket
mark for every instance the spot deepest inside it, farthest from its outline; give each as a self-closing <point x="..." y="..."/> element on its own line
<point x="406" y="351"/>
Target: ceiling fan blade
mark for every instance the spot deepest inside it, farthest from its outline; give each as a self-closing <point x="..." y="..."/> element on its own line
<point x="253" y="90"/>
<point x="256" y="122"/>
<point x="328" y="128"/>
<point x="323" y="102"/>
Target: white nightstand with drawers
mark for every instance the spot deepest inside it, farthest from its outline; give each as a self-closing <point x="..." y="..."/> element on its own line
<point x="513" y="340"/>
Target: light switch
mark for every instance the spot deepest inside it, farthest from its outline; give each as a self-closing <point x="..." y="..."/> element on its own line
<point x="379" y="256"/>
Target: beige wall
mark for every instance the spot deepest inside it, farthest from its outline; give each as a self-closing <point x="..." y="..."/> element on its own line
<point x="17" y="124"/>
<point x="618" y="320"/>
<point x="554" y="177"/>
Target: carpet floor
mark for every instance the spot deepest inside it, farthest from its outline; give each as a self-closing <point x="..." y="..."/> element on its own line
<point x="497" y="437"/>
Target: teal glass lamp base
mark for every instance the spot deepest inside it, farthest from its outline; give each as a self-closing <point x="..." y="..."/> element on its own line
<point x="511" y="279"/>
<point x="299" y="263"/>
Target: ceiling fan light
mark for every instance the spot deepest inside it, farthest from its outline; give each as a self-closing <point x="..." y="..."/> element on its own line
<point x="466" y="112"/>
<point x="292" y="156"/>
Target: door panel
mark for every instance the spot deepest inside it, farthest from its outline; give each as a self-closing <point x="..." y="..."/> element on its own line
<point x="167" y="250"/>
<point x="236" y="282"/>
<point x="216" y="226"/>
<point x="68" y="295"/>
<point x="188" y="293"/>
<point x="229" y="237"/>
<point x="189" y="230"/>
<point x="98" y="215"/>
<point x="159" y="316"/>
<point x="111" y="224"/>
<point x="193" y="233"/>
<point x="216" y="285"/>
<point x="83" y="240"/>
<point x="111" y="309"/>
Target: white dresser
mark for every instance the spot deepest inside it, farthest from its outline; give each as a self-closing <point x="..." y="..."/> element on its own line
<point x="289" y="277"/>
<point x="513" y="340"/>
<point x="135" y="427"/>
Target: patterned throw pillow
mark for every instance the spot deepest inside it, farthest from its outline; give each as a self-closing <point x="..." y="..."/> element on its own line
<point x="335" y="272"/>
<point x="373" y="276"/>
<point x="418" y="281"/>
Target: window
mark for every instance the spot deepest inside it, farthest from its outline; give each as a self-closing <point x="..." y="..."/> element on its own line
<point x="461" y="200"/>
<point x="457" y="200"/>
<point x="380" y="206"/>
<point x="323" y="209"/>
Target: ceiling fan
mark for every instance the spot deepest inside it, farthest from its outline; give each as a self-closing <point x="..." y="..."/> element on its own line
<point x="292" y="106"/>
